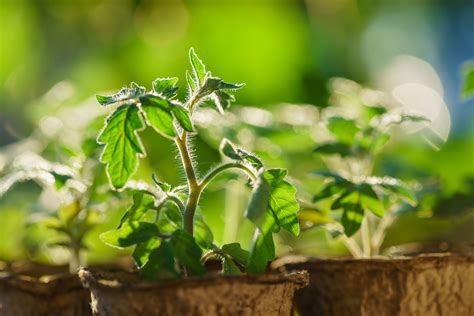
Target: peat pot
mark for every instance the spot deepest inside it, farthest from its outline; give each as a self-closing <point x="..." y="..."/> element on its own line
<point x="126" y="293"/>
<point x="423" y="285"/>
<point x="42" y="290"/>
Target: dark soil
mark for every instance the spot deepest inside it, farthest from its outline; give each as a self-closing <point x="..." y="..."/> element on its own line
<point x="126" y="294"/>
<point x="423" y="285"/>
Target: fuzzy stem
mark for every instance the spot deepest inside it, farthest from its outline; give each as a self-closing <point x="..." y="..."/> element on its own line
<point x="218" y="170"/>
<point x="193" y="186"/>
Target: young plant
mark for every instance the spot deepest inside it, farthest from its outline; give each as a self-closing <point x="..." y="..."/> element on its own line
<point x="75" y="215"/>
<point x="177" y="241"/>
<point x="351" y="185"/>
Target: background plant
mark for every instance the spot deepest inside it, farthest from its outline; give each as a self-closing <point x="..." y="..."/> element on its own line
<point x="364" y="199"/>
<point x="177" y="235"/>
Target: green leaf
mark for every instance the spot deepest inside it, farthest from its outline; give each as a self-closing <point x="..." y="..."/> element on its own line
<point x="182" y="116"/>
<point x="401" y="189"/>
<point x="202" y="233"/>
<point x="166" y="86"/>
<point x="169" y="219"/>
<point x="223" y="99"/>
<point x="69" y="211"/>
<point x="344" y="130"/>
<point x="229" y="267"/>
<point x="329" y="190"/>
<point x="263" y="251"/>
<point x="329" y="174"/>
<point x="142" y="202"/>
<point x="122" y="144"/>
<point x="187" y="251"/>
<point x="130" y="233"/>
<point x="259" y="211"/>
<point x="235" y="251"/>
<point x="228" y="149"/>
<point x="468" y="81"/>
<point x="165" y="187"/>
<point x="158" y="114"/>
<point x="282" y="200"/>
<point x="60" y="179"/>
<point x="379" y="141"/>
<point x="352" y="219"/>
<point x="126" y="93"/>
<point x="349" y="197"/>
<point x="369" y="199"/>
<point x="191" y="82"/>
<point x="334" y="148"/>
<point x="199" y="69"/>
<point x="143" y="250"/>
<point x="160" y="264"/>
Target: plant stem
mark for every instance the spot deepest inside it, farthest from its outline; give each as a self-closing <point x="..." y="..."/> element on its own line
<point x="213" y="173"/>
<point x="352" y="246"/>
<point x="379" y="234"/>
<point x="75" y="260"/>
<point x="365" y="231"/>
<point x="194" y="190"/>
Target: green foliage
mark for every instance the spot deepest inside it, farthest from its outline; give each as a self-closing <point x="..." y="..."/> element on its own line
<point x="123" y="147"/>
<point x="178" y="240"/>
<point x="468" y="79"/>
<point x="352" y="190"/>
<point x="273" y="206"/>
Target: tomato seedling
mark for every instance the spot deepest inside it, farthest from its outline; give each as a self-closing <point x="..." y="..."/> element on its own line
<point x="177" y="241"/>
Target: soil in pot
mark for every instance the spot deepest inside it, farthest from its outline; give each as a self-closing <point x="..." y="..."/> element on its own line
<point x="37" y="290"/>
<point x="127" y="294"/>
<point x="423" y="285"/>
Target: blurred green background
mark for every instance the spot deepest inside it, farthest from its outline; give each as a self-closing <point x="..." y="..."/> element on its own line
<point x="57" y="54"/>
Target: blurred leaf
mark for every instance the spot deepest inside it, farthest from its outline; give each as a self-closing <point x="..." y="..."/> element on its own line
<point x="370" y="200"/>
<point x="344" y="130"/>
<point x="334" y="148"/>
<point x="170" y="218"/>
<point x="60" y="179"/>
<point x="187" y="251"/>
<point x="130" y="233"/>
<point x="122" y="144"/>
<point x="352" y="219"/>
<point x="68" y="212"/>
<point x="191" y="82"/>
<point x="468" y="81"/>
<point x="126" y="93"/>
<point x="399" y="188"/>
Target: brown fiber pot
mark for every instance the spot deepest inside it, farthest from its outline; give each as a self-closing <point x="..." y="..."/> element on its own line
<point x="126" y="294"/>
<point x="24" y="294"/>
<point x="423" y="285"/>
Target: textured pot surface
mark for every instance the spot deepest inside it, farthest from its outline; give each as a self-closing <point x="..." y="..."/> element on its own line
<point x="423" y="285"/>
<point x="127" y="294"/>
<point x="25" y="295"/>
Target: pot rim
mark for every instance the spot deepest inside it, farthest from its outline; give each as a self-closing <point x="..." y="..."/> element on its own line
<point x="115" y="279"/>
<point x="310" y="263"/>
